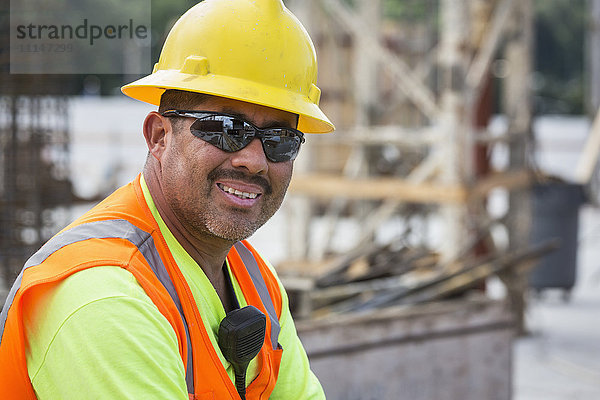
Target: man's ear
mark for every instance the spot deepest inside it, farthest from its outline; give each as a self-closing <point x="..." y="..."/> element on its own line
<point x="156" y="128"/>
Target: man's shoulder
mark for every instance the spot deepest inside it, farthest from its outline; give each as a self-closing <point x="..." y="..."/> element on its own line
<point x="85" y="287"/>
<point x="87" y="299"/>
<point x="99" y="282"/>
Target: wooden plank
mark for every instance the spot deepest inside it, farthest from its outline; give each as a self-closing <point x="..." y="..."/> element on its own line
<point x="510" y="180"/>
<point x="518" y="107"/>
<point x="384" y="134"/>
<point x="333" y="186"/>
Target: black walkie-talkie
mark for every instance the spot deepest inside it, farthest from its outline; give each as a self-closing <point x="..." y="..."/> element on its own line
<point x="241" y="335"/>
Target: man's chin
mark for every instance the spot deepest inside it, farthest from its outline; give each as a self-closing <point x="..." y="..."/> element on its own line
<point x="233" y="232"/>
<point x="234" y="226"/>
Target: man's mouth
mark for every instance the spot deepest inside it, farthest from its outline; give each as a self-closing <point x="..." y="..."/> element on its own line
<point x="237" y="193"/>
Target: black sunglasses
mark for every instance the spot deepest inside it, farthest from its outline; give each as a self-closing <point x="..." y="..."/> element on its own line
<point x="230" y="133"/>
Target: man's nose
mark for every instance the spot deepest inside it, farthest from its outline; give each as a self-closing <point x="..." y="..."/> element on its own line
<point x="252" y="158"/>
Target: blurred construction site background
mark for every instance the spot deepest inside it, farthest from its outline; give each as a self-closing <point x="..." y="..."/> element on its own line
<point x="441" y="244"/>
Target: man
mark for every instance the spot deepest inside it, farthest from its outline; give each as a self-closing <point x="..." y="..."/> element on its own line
<point x="126" y="302"/>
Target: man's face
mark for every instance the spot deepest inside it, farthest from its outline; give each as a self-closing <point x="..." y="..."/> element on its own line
<point x="215" y="193"/>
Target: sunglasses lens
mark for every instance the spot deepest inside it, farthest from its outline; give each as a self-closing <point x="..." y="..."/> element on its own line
<point x="223" y="132"/>
<point x="281" y="145"/>
<point x="209" y="130"/>
<point x="208" y="125"/>
<point x="231" y="134"/>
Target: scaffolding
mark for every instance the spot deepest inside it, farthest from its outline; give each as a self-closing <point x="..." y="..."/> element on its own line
<point x="412" y="100"/>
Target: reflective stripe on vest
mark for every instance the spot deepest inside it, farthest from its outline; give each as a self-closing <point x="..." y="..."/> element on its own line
<point x="122" y="229"/>
<point x="260" y="285"/>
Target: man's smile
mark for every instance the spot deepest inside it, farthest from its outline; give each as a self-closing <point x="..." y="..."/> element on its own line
<point x="238" y="193"/>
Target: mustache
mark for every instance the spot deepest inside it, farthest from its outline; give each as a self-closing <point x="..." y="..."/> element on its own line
<point x="221" y="173"/>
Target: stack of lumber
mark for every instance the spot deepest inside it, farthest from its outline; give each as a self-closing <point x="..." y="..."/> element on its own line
<point x="384" y="276"/>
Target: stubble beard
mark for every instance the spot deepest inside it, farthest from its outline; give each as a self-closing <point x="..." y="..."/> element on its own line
<point x="233" y="226"/>
<point x="203" y="218"/>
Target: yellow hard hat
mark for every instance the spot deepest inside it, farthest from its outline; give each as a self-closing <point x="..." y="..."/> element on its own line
<point x="250" y="50"/>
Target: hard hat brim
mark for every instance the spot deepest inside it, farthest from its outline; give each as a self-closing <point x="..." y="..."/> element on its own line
<point x="149" y="89"/>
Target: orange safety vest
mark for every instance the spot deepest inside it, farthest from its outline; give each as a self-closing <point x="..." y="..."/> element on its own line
<point x="121" y="231"/>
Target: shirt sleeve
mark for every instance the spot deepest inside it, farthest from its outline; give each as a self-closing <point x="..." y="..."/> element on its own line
<point x="296" y="380"/>
<point x="100" y="336"/>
